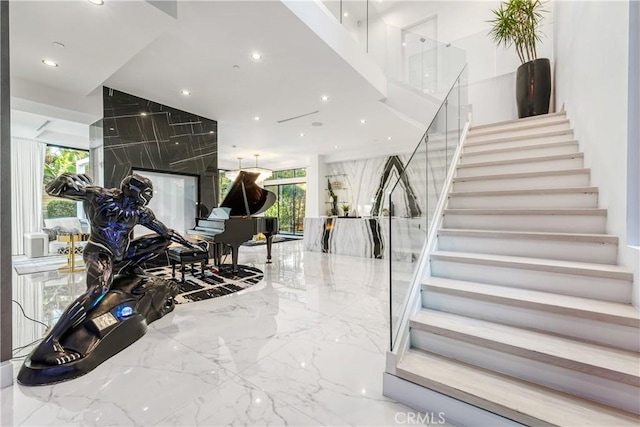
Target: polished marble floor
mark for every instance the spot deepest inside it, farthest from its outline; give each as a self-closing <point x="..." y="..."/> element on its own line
<point x="304" y="347"/>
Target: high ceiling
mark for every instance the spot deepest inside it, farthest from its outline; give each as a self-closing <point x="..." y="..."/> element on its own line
<point x="137" y="48"/>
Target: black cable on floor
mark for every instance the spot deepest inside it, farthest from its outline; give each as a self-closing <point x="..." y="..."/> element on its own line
<point x="30" y="318"/>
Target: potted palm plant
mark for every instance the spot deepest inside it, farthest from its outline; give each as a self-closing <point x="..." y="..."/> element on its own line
<point x="516" y="23"/>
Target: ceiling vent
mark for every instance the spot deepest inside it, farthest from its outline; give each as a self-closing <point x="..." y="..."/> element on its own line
<point x="44" y="125"/>
<point x="298" y="117"/>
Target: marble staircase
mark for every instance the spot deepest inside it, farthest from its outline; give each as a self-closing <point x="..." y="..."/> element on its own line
<point x="525" y="314"/>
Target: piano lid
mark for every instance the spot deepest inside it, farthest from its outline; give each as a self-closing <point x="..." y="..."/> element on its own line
<point x="246" y="198"/>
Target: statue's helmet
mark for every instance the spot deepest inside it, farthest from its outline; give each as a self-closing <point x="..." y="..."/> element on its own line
<point x="137" y="188"/>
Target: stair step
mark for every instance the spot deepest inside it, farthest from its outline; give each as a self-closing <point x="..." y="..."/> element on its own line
<point x="518" y="141"/>
<point x="582" y="247"/>
<point x="585" y="197"/>
<point x="537" y="264"/>
<point x="605" y="362"/>
<point x="526" y="180"/>
<point x="585" y="308"/>
<point x="537" y="150"/>
<point x="519" y="122"/>
<point x="530" y="164"/>
<point x="587" y="280"/>
<point x="590" y="221"/>
<point x="524" y="129"/>
<point x="518" y="400"/>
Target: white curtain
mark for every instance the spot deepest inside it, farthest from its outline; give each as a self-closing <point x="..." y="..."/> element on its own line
<point x="27" y="173"/>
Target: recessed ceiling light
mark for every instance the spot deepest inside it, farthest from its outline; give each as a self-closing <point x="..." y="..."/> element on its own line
<point x="49" y="62"/>
<point x="301" y="134"/>
<point x="97" y="2"/>
<point x="363" y="121"/>
<point x="58" y="44"/>
<point x="426" y="75"/>
<point x="325" y="98"/>
<point x="388" y="138"/>
<point x="335" y="146"/>
<point x="177" y="143"/>
<point x="404" y="43"/>
<point x="186" y="92"/>
<point x="111" y="129"/>
<point x="143" y="114"/>
<point x="211" y="131"/>
<point x="256" y="56"/>
<point x="256" y="118"/>
<point x="345" y="14"/>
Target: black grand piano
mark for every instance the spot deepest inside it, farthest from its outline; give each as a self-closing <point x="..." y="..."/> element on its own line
<point x="234" y="223"/>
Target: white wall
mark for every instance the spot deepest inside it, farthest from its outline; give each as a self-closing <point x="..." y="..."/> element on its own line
<point x="591" y="81"/>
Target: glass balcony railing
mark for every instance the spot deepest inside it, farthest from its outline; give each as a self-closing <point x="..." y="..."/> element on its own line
<point x="415" y="197"/>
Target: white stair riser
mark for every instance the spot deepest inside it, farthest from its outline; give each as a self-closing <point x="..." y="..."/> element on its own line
<point x="519" y="154"/>
<point x="606" y="289"/>
<point x="607" y="333"/>
<point x="535" y="120"/>
<point x="608" y="392"/>
<point x="591" y="224"/>
<point x="604" y="253"/>
<point x="560" y="181"/>
<point x="489" y="136"/>
<point x="553" y="201"/>
<point x="518" y="167"/>
<point x="471" y="148"/>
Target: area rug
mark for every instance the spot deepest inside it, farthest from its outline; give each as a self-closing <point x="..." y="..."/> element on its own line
<point x="213" y="284"/>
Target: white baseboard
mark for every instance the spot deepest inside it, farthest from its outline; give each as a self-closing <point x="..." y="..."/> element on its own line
<point x="6" y="374"/>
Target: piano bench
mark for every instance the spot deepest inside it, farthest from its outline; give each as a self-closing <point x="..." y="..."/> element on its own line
<point x="186" y="256"/>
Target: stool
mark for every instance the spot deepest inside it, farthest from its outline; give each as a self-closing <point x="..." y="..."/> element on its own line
<point x="182" y="255"/>
<point x="36" y="244"/>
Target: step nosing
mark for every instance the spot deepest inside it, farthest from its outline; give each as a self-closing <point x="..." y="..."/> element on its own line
<point x="549" y="134"/>
<point x="536" y="264"/>
<point x="522" y="160"/>
<point x="564" y="359"/>
<point x="518" y="149"/>
<point x="532" y="119"/>
<point x="523" y="128"/>
<point x="533" y="235"/>
<point x="523" y="175"/>
<point x="540" y="191"/>
<point x="583" y="211"/>
<point x="544" y="301"/>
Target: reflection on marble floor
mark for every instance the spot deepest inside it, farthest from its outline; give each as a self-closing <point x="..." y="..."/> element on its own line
<point x="304" y="347"/>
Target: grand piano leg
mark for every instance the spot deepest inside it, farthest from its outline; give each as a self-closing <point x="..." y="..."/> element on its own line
<point x="234" y="256"/>
<point x="269" y="237"/>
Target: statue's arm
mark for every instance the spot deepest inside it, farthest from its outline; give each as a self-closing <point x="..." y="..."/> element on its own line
<point x="149" y="220"/>
<point x="71" y="186"/>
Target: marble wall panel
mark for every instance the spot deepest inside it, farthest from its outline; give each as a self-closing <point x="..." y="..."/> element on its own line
<point x="142" y="134"/>
<point x="368" y="182"/>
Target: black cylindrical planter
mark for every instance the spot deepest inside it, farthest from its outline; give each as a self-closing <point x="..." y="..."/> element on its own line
<point x="533" y="88"/>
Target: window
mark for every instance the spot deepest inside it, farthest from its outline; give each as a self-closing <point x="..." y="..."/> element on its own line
<point x="290" y="207"/>
<point x="58" y="160"/>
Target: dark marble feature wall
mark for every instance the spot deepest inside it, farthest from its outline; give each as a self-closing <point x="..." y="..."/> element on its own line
<point x="164" y="139"/>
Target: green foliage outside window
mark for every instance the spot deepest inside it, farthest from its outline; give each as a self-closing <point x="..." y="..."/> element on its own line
<point x="59" y="160"/>
<point x="61" y="209"/>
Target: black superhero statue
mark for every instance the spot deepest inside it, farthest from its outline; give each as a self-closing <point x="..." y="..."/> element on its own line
<point x="110" y="251"/>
